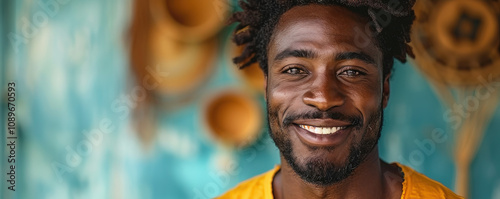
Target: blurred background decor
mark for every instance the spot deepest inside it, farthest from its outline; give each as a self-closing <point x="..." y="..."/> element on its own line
<point x="233" y="118"/>
<point x="457" y="45"/>
<point x="140" y="99"/>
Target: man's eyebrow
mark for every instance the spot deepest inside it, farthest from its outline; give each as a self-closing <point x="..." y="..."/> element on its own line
<point x="295" y="53"/>
<point x="355" y="55"/>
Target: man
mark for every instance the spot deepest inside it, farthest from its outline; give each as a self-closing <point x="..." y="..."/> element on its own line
<point x="327" y="66"/>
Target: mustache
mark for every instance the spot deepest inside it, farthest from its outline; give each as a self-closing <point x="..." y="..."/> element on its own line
<point x="353" y="119"/>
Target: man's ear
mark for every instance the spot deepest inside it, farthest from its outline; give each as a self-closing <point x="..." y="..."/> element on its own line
<point x="386" y="90"/>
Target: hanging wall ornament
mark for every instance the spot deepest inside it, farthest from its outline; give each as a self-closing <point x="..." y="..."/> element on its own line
<point x="456" y="44"/>
<point x="183" y="46"/>
<point x="232" y="118"/>
<point x="181" y="68"/>
<point x="173" y="51"/>
<point x="190" y="20"/>
<point x="457" y="40"/>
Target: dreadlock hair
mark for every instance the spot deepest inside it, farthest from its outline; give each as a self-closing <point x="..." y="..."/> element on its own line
<point x="259" y="17"/>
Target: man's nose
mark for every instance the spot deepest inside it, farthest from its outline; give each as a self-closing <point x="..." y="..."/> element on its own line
<point x="324" y="93"/>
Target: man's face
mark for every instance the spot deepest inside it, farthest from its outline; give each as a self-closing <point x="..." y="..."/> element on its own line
<point x="325" y="95"/>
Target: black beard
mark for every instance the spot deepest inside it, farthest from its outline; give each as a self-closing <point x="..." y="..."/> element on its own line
<point x="320" y="171"/>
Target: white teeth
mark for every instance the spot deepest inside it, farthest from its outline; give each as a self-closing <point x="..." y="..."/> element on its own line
<point x="321" y="130"/>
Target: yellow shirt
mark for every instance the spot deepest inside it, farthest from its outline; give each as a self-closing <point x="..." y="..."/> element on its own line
<point x="415" y="185"/>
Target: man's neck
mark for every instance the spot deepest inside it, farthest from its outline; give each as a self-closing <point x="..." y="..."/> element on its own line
<point x="373" y="178"/>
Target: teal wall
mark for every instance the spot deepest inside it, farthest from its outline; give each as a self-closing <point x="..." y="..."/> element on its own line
<point x="74" y="70"/>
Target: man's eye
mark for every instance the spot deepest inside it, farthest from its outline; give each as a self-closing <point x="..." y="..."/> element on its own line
<point x="351" y="73"/>
<point x="295" y="71"/>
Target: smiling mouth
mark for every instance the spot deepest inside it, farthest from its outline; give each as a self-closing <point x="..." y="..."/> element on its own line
<point x="322" y="130"/>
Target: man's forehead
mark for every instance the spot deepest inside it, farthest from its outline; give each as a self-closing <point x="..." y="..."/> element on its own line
<point x="310" y="34"/>
<point x="316" y="26"/>
<point x="327" y="13"/>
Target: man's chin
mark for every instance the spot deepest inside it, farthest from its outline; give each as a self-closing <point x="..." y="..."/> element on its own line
<point x="322" y="171"/>
<point x="323" y="165"/>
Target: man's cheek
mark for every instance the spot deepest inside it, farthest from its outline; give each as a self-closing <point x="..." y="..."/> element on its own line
<point x="275" y="112"/>
<point x="279" y="92"/>
<point x="367" y="100"/>
<point x="276" y="97"/>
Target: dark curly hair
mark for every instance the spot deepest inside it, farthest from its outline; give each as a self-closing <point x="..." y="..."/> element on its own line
<point x="259" y="17"/>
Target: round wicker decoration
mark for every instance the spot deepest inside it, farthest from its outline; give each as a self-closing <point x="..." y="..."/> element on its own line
<point x="233" y="118"/>
<point x="183" y="66"/>
<point x="456" y="42"/>
<point x="190" y="20"/>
